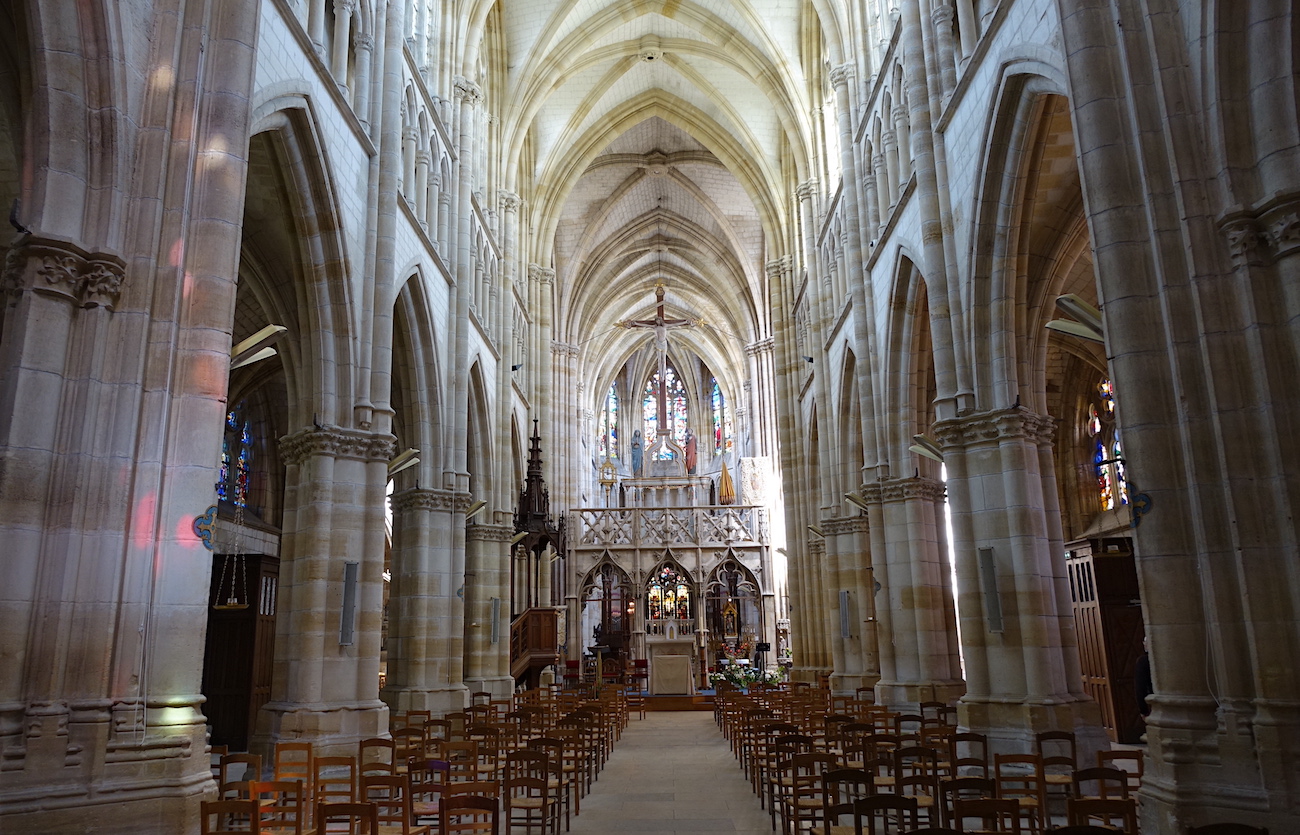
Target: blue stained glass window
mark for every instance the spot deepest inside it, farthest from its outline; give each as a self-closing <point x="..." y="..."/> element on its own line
<point x="236" y="473"/>
<point x="1108" y="455"/>
<point x="607" y="443"/>
<point x="721" y="420"/>
<point x="676" y="402"/>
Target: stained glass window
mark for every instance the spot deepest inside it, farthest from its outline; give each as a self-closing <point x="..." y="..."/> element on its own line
<point x="607" y="446"/>
<point x="676" y="397"/>
<point x="669" y="596"/>
<point x="236" y="458"/>
<point x="1108" y="455"/>
<point x="721" y="420"/>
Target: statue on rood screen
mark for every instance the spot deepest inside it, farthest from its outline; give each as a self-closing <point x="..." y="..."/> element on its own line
<point x="636" y="454"/>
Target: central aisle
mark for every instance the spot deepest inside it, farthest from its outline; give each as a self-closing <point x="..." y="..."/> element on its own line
<point x="672" y="772"/>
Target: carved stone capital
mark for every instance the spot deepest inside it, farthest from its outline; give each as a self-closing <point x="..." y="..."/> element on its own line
<point x="941" y="14"/>
<point x="336" y="442"/>
<point x="762" y="346"/>
<point x="1284" y="233"/>
<point x="1246" y="242"/>
<point x="564" y="349"/>
<point x="344" y="7"/>
<point x="806" y="190"/>
<point x="816" y="549"/>
<point x="467" y="90"/>
<point x="845" y="525"/>
<point x="542" y="275"/>
<point x="421" y="498"/>
<point x="510" y="202"/>
<point x="363" y="42"/>
<point x="904" y="489"/>
<point x="987" y="427"/>
<point x="63" y="270"/>
<point x="842" y="75"/>
<point x="489" y="533"/>
<point x="777" y="266"/>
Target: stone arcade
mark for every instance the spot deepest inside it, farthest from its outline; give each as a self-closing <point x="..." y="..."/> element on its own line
<point x="859" y="215"/>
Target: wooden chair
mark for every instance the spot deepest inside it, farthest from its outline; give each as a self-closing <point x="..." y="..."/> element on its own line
<point x="376" y="756"/>
<point x="1111" y="782"/>
<point x="462" y="759"/>
<point x="346" y="819"/>
<point x="1226" y="829"/>
<point x="292" y="761"/>
<point x="968" y="752"/>
<point x="803" y="801"/>
<point x="561" y="777"/>
<point x="407" y="742"/>
<point x="1130" y="761"/>
<point x="238" y="768"/>
<point x="1059" y="755"/>
<point x="215" y="753"/>
<point x="218" y="817"/>
<point x="1020" y="778"/>
<point x="963" y="788"/>
<point x="465" y="814"/>
<point x="868" y="810"/>
<point x="1081" y="812"/>
<point x="1085" y="829"/>
<point x="391" y="796"/>
<point x="528" y="799"/>
<point x="281" y="806"/>
<point x="334" y="779"/>
<point x="429" y="779"/>
<point x="1001" y="815"/>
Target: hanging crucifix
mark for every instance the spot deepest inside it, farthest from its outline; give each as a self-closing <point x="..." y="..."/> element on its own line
<point x="660" y="324"/>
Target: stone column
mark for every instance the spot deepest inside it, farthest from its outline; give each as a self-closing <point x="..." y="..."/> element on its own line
<point x="487" y="638"/>
<point x="426" y="613"/>
<point x="325" y="687"/>
<point x="422" y="187"/>
<point x="364" y="45"/>
<point x="919" y="658"/>
<point x="857" y="660"/>
<point x="342" y="38"/>
<point x="1020" y="680"/>
<point x="942" y="16"/>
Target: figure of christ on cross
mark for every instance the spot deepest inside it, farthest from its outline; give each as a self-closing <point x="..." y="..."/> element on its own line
<point x="661" y="325"/>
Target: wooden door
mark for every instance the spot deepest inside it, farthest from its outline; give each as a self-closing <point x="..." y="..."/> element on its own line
<point x="240" y="646"/>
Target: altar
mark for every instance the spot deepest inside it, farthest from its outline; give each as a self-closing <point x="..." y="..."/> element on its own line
<point x="672" y="668"/>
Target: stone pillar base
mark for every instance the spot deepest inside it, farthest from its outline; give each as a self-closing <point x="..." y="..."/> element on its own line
<point x="333" y="729"/>
<point x="499" y="686"/>
<point x="1208" y="763"/>
<point x="450" y="699"/>
<point x="908" y="695"/>
<point x="1011" y="726"/>
<point x="77" y="771"/>
<point x="845" y="684"/>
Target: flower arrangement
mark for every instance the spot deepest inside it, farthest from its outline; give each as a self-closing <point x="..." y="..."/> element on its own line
<point x="740" y="676"/>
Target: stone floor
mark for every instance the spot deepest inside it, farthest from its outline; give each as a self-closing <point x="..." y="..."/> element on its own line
<point x="672" y="772"/>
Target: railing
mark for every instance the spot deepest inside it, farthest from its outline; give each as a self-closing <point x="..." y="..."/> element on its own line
<point x="605" y="527"/>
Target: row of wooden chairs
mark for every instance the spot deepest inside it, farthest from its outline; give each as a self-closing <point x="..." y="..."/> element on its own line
<point x="917" y="751"/>
<point x="539" y="773"/>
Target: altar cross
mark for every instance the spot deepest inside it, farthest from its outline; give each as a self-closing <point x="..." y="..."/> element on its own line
<point x="660" y="324"/>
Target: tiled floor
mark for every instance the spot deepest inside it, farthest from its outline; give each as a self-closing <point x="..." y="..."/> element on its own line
<point x="672" y="772"/>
